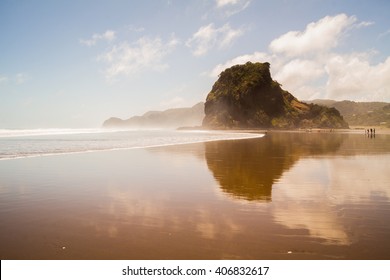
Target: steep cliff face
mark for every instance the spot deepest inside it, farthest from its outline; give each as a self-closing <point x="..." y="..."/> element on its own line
<point x="245" y="96"/>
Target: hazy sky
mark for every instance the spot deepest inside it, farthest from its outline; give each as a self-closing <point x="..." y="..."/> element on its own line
<point x="76" y="63"/>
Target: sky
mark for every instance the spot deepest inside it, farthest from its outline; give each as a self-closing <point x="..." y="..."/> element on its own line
<point x="73" y="64"/>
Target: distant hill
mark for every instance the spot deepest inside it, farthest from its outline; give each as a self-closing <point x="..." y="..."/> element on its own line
<point x="171" y="118"/>
<point x="360" y="113"/>
<point x="245" y="96"/>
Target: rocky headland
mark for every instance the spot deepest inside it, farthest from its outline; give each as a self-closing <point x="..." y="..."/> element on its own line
<point x="246" y="97"/>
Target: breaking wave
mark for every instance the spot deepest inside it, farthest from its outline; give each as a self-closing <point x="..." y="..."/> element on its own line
<point x="44" y="142"/>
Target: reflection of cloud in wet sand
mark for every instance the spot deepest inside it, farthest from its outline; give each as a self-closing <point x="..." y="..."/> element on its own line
<point x="360" y="179"/>
<point x="309" y="195"/>
<point x="132" y="209"/>
<point x="211" y="226"/>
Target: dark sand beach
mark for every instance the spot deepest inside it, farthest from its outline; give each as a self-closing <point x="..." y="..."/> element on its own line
<point x="284" y="196"/>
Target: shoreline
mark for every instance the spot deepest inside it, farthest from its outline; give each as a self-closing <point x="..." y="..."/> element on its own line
<point x="49" y="154"/>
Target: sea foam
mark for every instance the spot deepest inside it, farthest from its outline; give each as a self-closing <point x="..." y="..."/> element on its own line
<point x="44" y="142"/>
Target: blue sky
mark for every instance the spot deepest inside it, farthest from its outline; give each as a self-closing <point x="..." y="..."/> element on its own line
<point x="76" y="63"/>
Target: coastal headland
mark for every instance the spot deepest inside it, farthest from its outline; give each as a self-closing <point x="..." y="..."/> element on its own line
<point x="246" y="97"/>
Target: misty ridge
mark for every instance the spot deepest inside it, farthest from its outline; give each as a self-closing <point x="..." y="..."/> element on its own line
<point x="168" y="119"/>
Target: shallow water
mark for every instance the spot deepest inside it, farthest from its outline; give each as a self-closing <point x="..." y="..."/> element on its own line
<point x="283" y="196"/>
<point x="47" y="142"/>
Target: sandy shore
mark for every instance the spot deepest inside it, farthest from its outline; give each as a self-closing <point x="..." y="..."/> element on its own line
<point x="352" y="129"/>
<point x="285" y="196"/>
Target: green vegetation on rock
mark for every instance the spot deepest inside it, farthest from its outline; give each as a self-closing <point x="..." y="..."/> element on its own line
<point x="245" y="96"/>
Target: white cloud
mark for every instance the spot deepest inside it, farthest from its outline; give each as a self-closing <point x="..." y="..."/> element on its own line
<point x="222" y="3"/>
<point x="231" y="7"/>
<point x="255" y="57"/>
<point x="209" y="37"/>
<point x="297" y="76"/>
<point x="144" y="54"/>
<point x="384" y="34"/>
<point x="364" y="24"/>
<point x="353" y="77"/>
<point x="21" y="78"/>
<point x="108" y="36"/>
<point x="134" y="28"/>
<point x="3" y="79"/>
<point x="300" y="71"/>
<point x="306" y="63"/>
<point x="319" y="36"/>
<point x="308" y="92"/>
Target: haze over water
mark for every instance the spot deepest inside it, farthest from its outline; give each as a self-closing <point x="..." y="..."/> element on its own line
<point x="281" y="196"/>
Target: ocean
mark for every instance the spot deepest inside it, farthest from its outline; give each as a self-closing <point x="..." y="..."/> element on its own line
<point x="44" y="142"/>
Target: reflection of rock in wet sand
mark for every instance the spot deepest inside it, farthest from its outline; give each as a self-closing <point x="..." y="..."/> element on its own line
<point x="247" y="169"/>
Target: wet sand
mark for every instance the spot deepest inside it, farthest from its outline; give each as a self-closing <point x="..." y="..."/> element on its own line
<point x="283" y="196"/>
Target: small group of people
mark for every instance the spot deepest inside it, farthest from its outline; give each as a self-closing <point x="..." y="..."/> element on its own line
<point x="370" y="132"/>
